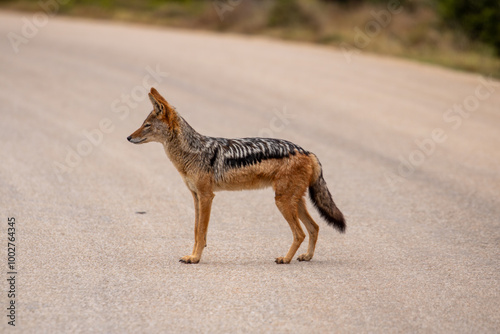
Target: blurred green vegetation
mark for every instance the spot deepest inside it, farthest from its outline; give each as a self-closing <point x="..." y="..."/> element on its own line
<point x="479" y="19"/>
<point x="462" y="34"/>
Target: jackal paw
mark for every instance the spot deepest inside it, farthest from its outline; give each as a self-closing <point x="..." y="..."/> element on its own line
<point x="282" y="260"/>
<point x="189" y="259"/>
<point x="304" y="257"/>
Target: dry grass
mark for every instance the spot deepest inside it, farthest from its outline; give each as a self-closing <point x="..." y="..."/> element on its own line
<point x="414" y="32"/>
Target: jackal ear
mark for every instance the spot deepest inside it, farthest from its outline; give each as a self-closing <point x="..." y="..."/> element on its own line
<point x="159" y="108"/>
<point x="162" y="107"/>
<point x="155" y="93"/>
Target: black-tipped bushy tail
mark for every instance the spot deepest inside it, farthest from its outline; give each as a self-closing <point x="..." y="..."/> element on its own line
<point x="322" y="200"/>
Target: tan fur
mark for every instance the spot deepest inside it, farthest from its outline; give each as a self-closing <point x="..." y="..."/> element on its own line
<point x="290" y="177"/>
<point x="289" y="180"/>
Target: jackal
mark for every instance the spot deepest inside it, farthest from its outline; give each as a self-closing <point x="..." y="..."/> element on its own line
<point x="209" y="164"/>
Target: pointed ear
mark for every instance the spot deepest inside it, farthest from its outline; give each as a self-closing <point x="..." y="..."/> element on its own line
<point x="162" y="107"/>
<point x="159" y="108"/>
<point x="155" y="93"/>
<point x="161" y="99"/>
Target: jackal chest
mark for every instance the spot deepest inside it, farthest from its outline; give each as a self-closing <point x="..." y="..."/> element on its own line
<point x="176" y="161"/>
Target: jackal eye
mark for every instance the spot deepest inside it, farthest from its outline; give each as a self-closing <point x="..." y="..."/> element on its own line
<point x="147" y="125"/>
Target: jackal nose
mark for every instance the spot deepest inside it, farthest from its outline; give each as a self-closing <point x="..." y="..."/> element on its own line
<point x="129" y="138"/>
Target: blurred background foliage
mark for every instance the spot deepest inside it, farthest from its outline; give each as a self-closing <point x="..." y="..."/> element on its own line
<point x="462" y="34"/>
<point x="479" y="19"/>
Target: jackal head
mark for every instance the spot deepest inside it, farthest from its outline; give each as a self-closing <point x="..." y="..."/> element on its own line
<point x="160" y="124"/>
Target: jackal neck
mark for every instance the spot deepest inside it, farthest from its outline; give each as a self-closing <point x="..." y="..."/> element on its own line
<point x="184" y="147"/>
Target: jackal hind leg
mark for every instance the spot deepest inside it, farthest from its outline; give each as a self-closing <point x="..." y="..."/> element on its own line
<point x="312" y="229"/>
<point x="288" y="208"/>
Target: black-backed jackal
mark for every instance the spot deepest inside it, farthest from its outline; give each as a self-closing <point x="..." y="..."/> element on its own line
<point x="210" y="164"/>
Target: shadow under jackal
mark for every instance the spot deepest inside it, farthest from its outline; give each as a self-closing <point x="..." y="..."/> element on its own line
<point x="209" y="164"/>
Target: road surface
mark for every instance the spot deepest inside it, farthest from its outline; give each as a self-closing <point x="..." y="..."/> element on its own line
<point x="409" y="151"/>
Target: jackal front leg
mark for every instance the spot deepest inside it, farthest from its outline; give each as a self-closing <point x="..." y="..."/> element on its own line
<point x="203" y="205"/>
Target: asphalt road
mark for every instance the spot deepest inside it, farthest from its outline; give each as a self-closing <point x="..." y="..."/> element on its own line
<point x="101" y="223"/>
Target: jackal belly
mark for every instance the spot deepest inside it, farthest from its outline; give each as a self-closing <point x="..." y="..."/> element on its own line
<point x="260" y="175"/>
<point x="267" y="173"/>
